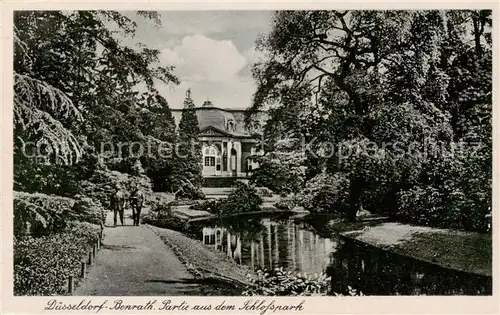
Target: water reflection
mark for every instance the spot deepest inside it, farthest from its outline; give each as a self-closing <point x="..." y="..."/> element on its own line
<point x="292" y="243"/>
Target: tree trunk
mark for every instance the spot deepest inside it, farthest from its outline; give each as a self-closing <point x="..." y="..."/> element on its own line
<point x="356" y="190"/>
<point x="478" y="31"/>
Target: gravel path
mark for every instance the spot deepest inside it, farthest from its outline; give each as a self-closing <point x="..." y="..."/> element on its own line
<point x="135" y="261"/>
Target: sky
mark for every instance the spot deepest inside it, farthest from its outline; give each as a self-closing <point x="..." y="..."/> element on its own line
<point x="212" y="51"/>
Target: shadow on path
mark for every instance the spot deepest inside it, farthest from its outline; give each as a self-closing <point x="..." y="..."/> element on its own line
<point x="130" y="257"/>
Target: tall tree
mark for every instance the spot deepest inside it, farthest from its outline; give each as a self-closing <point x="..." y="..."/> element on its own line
<point x="380" y="86"/>
<point x="188" y="153"/>
<point x="74" y="76"/>
<point x="158" y="124"/>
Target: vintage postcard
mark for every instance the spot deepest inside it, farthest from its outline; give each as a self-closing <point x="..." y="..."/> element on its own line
<point x="249" y="158"/>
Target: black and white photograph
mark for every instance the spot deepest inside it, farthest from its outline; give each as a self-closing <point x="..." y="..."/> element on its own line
<point x="248" y="153"/>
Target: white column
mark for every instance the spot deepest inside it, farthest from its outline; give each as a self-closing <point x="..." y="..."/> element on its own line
<point x="238" y="158"/>
<point x="237" y="251"/>
<point x="301" y="248"/>
<point x="258" y="258"/>
<point x="222" y="150"/>
<point x="261" y="247"/>
<point x="229" y="253"/>
<point x="276" y="245"/>
<point x="252" y="255"/>
<point x="229" y="157"/>
<point x="203" y="158"/>
<point x="269" y="244"/>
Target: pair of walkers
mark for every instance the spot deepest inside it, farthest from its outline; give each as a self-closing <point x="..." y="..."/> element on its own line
<point x="119" y="201"/>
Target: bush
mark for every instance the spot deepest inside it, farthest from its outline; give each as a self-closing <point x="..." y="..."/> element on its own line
<point x="186" y="202"/>
<point x="42" y="265"/>
<point x="280" y="282"/>
<point x="103" y="183"/>
<point x="212" y="206"/>
<point x="286" y="204"/>
<point x="57" y="179"/>
<point x="87" y="209"/>
<point x="444" y="208"/>
<point x="325" y="193"/>
<point x="188" y="191"/>
<point x="243" y="198"/>
<point x="458" y="194"/>
<point x="282" y="168"/>
<point x="39" y="214"/>
<point x="161" y="215"/>
<point x="264" y="192"/>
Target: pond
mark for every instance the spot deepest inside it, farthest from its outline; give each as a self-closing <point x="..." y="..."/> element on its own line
<point x="294" y="244"/>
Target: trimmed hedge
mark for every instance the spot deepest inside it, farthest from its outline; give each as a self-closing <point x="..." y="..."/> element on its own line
<point x="42" y="265"/>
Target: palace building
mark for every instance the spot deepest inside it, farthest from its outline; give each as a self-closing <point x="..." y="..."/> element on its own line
<point x="228" y="143"/>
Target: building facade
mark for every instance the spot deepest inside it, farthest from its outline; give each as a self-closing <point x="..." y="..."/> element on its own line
<point x="228" y="144"/>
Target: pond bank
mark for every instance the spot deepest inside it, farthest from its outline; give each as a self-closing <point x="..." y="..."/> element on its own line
<point x="464" y="251"/>
<point x="204" y="262"/>
<point x="191" y="215"/>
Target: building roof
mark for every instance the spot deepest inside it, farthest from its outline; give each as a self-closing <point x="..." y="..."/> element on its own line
<point x="216" y="118"/>
<point x="231" y="121"/>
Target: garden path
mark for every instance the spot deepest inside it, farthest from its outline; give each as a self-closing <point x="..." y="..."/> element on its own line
<point x="135" y="261"/>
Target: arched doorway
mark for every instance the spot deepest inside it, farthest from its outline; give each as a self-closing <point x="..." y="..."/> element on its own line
<point x="211" y="161"/>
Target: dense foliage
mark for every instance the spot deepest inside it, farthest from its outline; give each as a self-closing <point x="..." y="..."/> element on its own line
<point x="84" y="100"/>
<point x="393" y="109"/>
<point x="88" y="120"/>
<point x="39" y="214"/>
<point x="282" y="168"/>
<point x="161" y="215"/>
<point x="325" y="193"/>
<point x="243" y="198"/>
<point x="280" y="282"/>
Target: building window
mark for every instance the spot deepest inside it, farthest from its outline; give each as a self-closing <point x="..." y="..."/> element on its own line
<point x="230" y="125"/>
<point x="209" y="161"/>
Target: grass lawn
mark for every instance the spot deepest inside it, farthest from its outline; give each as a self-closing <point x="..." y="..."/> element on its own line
<point x="470" y="252"/>
<point x="465" y="251"/>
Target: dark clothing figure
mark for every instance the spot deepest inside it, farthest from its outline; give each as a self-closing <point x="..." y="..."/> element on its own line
<point x="136" y="202"/>
<point x="118" y="206"/>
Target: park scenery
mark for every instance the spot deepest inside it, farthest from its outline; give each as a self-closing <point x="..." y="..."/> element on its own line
<point x="274" y="153"/>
